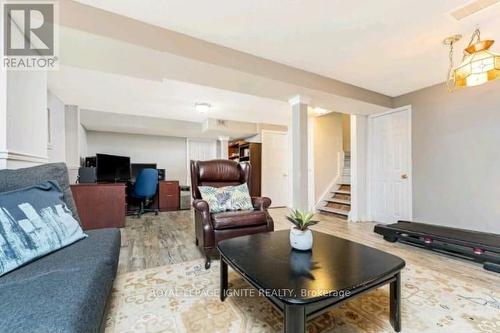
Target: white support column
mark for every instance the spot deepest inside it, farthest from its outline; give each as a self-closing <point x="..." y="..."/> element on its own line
<point x="72" y="120"/>
<point x="299" y="166"/>
<point x="222" y="147"/>
<point x="359" y="169"/>
<point x="76" y="141"/>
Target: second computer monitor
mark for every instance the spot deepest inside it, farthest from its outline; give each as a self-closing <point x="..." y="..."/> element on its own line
<point x="137" y="167"/>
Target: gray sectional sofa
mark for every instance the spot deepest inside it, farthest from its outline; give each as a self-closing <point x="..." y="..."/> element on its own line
<point x="67" y="290"/>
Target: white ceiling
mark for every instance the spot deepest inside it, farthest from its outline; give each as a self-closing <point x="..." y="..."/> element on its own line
<point x="389" y="46"/>
<point x="96" y="90"/>
<point x="139" y="124"/>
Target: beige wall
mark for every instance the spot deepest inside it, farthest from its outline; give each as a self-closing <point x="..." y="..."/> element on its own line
<point x="346" y="132"/>
<point x="327" y="144"/>
<point x="456" y="156"/>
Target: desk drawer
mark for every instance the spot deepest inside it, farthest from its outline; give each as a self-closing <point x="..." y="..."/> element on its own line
<point x="169" y="195"/>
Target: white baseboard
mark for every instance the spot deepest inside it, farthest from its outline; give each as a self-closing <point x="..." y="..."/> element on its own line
<point x="22" y="157"/>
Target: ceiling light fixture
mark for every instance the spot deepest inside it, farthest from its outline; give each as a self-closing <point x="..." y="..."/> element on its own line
<point x="202" y="107"/>
<point x="479" y="65"/>
<point x="320" y="111"/>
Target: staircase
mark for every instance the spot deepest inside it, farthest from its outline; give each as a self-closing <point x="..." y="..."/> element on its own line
<point x="338" y="202"/>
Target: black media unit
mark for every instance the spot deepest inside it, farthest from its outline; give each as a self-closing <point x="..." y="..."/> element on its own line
<point x="477" y="246"/>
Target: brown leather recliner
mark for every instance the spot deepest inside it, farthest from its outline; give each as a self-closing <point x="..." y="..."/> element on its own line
<point x="213" y="227"/>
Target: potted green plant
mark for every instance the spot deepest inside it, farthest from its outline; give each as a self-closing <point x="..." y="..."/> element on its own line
<point x="301" y="237"/>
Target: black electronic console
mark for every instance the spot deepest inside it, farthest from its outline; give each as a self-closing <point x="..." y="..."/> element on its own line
<point x="161" y="174"/>
<point x="477" y="246"/>
<point x="86" y="175"/>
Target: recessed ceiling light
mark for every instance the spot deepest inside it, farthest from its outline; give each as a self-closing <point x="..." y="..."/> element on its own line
<point x="320" y="111"/>
<point x="202" y="107"/>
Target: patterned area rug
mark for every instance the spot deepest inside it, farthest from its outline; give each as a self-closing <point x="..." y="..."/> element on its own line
<point x="184" y="298"/>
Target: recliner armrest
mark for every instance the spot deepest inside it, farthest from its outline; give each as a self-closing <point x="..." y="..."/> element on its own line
<point x="202" y="210"/>
<point x="201" y="206"/>
<point x="203" y="225"/>
<point x="261" y="203"/>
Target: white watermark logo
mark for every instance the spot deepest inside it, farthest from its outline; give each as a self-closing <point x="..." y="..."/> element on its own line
<point x="247" y="292"/>
<point x="30" y="35"/>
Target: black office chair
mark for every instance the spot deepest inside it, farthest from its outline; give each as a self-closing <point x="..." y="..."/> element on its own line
<point x="144" y="190"/>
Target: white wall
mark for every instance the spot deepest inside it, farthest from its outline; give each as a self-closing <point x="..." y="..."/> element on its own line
<point x="26" y="123"/>
<point x="3" y="104"/>
<point x="168" y="153"/>
<point x="3" y="120"/>
<point x="23" y="116"/>
<point x="57" y="142"/>
<point x="199" y="150"/>
<point x="3" y="113"/>
<point x="223" y="147"/>
<point x="82" y="141"/>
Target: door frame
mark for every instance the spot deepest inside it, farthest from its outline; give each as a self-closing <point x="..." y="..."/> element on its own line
<point x="286" y="133"/>
<point x="371" y="169"/>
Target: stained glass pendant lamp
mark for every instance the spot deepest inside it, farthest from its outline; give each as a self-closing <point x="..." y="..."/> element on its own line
<point x="479" y="65"/>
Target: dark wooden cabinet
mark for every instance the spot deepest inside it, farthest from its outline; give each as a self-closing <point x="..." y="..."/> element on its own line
<point x="100" y="205"/>
<point x="169" y="195"/>
<point x="252" y="152"/>
<point x="241" y="151"/>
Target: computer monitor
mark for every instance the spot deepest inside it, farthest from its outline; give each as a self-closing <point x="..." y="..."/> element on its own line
<point x="112" y="168"/>
<point x="90" y="162"/>
<point x="137" y="167"/>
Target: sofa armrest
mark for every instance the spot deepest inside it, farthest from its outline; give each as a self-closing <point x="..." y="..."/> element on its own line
<point x="261" y="203"/>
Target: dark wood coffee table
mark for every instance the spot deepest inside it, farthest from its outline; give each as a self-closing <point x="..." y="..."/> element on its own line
<point x="302" y="284"/>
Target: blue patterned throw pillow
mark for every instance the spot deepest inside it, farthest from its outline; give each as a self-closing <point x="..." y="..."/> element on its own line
<point x="221" y="199"/>
<point x="34" y="221"/>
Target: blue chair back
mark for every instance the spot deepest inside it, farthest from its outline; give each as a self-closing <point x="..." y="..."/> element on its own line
<point x="146" y="183"/>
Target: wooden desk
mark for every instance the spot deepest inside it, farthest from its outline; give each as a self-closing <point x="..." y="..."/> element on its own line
<point x="100" y="205"/>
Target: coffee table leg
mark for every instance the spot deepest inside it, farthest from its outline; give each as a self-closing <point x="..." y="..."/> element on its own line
<point x="294" y="319"/>
<point x="395" y="303"/>
<point x="223" y="279"/>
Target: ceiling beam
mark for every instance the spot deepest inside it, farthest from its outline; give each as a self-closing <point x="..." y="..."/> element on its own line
<point x="245" y="71"/>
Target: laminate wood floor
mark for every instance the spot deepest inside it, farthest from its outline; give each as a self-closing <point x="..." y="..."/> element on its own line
<point x="439" y="293"/>
<point x="152" y="241"/>
<point x="168" y="238"/>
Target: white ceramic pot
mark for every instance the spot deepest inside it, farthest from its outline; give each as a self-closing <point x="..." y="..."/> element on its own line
<point x="301" y="240"/>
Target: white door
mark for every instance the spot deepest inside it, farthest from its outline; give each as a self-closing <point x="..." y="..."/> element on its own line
<point x="275" y="167"/>
<point x="390" y="195"/>
<point x="199" y="150"/>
